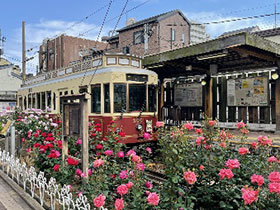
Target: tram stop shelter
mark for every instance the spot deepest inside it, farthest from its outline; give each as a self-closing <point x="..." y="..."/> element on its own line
<point x="231" y="78"/>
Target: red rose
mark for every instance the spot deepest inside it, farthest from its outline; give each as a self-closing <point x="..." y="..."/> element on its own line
<point x="56" y="167"/>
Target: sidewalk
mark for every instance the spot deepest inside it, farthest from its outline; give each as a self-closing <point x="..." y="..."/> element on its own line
<point x="10" y="199"/>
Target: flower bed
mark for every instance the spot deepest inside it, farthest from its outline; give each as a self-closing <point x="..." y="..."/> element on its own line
<point x="199" y="174"/>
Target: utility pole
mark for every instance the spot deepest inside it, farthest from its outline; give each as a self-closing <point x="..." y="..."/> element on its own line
<point x="23" y="53"/>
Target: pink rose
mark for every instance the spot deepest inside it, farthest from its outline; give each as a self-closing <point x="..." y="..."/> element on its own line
<point x="136" y="159"/>
<point x="129" y="185"/>
<point x="99" y="201"/>
<point x="272" y="159"/>
<point x="149" y="150"/>
<point x="198" y="140"/>
<point x="249" y="195"/>
<point x="148" y="185"/>
<point x="79" y="141"/>
<point x="240" y="125"/>
<point x="198" y="131"/>
<point x="140" y="166"/>
<point x="254" y="145"/>
<point x="274" y="187"/>
<point x="223" y="145"/>
<point x="98" y="163"/>
<point x="153" y="199"/>
<point x="231" y="164"/>
<point x="212" y="123"/>
<point x="225" y="173"/>
<point x="78" y="172"/>
<point x="119" y="204"/>
<point x="257" y="179"/>
<point x="79" y="194"/>
<point x="190" y="177"/>
<point x="274" y="176"/>
<point x="147" y="136"/>
<point x="130" y="152"/>
<point x="89" y="172"/>
<point x="120" y="154"/>
<point x="243" y="150"/>
<point x="108" y="152"/>
<point x="188" y="126"/>
<point x="122" y="189"/>
<point x="123" y="174"/>
<point x="201" y="167"/>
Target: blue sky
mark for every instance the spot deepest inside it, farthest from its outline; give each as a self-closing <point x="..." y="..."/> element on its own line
<point x="51" y="17"/>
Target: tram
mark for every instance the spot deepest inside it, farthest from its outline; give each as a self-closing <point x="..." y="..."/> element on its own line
<point x="120" y="90"/>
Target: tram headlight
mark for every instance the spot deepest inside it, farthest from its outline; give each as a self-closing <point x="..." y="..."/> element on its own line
<point x="139" y="127"/>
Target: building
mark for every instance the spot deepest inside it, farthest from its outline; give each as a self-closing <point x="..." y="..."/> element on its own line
<point x="10" y="83"/>
<point x="270" y="34"/>
<point x="251" y="29"/>
<point x="160" y="33"/>
<point x="198" y="33"/>
<point x="61" y="51"/>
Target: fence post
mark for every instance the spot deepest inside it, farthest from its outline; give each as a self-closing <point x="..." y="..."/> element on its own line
<point x="13" y="132"/>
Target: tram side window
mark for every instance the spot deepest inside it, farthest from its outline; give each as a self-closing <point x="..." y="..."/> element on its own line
<point x="20" y="103"/>
<point x="119" y="97"/>
<point x="106" y="98"/>
<point x="137" y="97"/>
<point x="49" y="99"/>
<point x="54" y="102"/>
<point x="29" y="101"/>
<point x="25" y="103"/>
<point x="38" y="100"/>
<point x="33" y="100"/>
<point x="96" y="98"/>
<point x="152" y="98"/>
<point x="43" y="100"/>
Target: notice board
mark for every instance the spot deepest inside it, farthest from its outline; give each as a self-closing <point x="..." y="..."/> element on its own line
<point x="247" y="91"/>
<point x="188" y="95"/>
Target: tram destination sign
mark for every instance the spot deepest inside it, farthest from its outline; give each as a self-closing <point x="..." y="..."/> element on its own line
<point x="188" y="95"/>
<point x="252" y="91"/>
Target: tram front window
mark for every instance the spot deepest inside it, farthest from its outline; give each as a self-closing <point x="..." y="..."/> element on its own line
<point x="137" y="97"/>
<point x="96" y="99"/>
<point x="119" y="97"/>
<point x="152" y="98"/>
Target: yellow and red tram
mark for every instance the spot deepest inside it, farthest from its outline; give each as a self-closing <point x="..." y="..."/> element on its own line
<point x="120" y="90"/>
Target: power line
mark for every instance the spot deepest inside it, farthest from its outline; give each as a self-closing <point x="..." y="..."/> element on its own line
<point x="101" y="28"/>
<point x="116" y="25"/>
<point x="238" y="19"/>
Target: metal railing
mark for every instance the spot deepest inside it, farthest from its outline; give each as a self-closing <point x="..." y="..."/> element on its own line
<point x="38" y="186"/>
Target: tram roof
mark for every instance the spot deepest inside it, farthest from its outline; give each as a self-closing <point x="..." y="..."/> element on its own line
<point x="104" y="70"/>
<point x="236" y="52"/>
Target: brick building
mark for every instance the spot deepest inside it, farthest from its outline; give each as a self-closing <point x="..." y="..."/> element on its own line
<point x="167" y="31"/>
<point x="61" y="51"/>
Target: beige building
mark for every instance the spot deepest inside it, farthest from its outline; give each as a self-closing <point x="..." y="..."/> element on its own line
<point x="11" y="81"/>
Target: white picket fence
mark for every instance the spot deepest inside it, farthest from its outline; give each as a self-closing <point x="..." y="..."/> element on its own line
<point x="37" y="182"/>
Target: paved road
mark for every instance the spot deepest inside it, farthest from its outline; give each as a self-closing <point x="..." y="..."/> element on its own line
<point x="9" y="199"/>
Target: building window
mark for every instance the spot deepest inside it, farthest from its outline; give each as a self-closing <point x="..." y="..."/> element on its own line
<point x="106" y="98"/>
<point x="183" y="38"/>
<point x="138" y="37"/>
<point x="119" y="97"/>
<point x="43" y="100"/>
<point x="29" y="101"/>
<point x="96" y="99"/>
<point x="38" y="100"/>
<point x="54" y="101"/>
<point x="126" y="50"/>
<point x="49" y="99"/>
<point x="33" y="100"/>
<point x="172" y="34"/>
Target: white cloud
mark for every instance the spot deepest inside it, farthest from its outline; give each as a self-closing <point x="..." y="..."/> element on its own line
<point x="36" y="33"/>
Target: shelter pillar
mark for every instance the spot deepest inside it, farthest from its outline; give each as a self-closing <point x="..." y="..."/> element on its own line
<point x="209" y="98"/>
<point x="277" y="105"/>
<point x="84" y="129"/>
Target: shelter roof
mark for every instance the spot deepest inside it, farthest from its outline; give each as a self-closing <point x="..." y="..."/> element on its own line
<point x="234" y="52"/>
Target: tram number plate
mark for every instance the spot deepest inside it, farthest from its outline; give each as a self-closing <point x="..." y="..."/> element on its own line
<point x="149" y="125"/>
